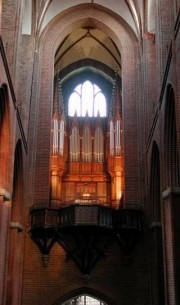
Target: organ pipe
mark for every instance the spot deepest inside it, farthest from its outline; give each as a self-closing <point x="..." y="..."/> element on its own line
<point x="98" y="145"/>
<point x="86" y="145"/>
<point x="61" y="138"/>
<point x="58" y="136"/>
<point x="118" y="138"/>
<point x="55" y="136"/>
<point x="111" y="138"/>
<point x="74" y="145"/>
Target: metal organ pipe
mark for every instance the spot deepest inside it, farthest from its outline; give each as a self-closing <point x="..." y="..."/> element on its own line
<point x="61" y="138"/>
<point x="117" y="138"/>
<point x="55" y="136"/>
<point x="74" y="145"/>
<point x="111" y="138"/>
<point x="87" y="145"/>
<point x="98" y="145"/>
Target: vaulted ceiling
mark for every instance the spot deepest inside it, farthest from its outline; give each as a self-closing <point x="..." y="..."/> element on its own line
<point x="132" y="11"/>
<point x="90" y="42"/>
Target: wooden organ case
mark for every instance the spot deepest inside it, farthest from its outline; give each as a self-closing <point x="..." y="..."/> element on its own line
<point x="87" y="157"/>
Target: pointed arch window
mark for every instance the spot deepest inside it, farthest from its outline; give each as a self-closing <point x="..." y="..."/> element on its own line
<point x="84" y="300"/>
<point x="87" y="99"/>
<point x="100" y="105"/>
<point x="74" y="104"/>
<point x="170" y="140"/>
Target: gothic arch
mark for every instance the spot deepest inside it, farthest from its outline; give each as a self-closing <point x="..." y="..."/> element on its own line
<point x="16" y="212"/>
<point x="156" y="240"/>
<point x="155" y="193"/>
<point x="171" y="160"/>
<point x="124" y="38"/>
<point x="4" y="137"/>
<point x="84" y="290"/>
<point x="16" y="237"/>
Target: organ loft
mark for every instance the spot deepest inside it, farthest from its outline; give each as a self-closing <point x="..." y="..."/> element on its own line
<point x="86" y="209"/>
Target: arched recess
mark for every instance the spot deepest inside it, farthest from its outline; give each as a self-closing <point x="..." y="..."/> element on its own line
<point x="16" y="227"/>
<point x="155" y="193"/>
<point x="5" y="172"/>
<point x="171" y="157"/>
<point x="156" y="241"/>
<point x="123" y="37"/>
<point x="16" y="212"/>
<point x="4" y="138"/>
<point x="74" y="76"/>
<point x="84" y="290"/>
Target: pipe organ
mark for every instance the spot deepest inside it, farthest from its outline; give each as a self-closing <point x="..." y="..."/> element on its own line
<point x="87" y="160"/>
<point x="86" y="209"/>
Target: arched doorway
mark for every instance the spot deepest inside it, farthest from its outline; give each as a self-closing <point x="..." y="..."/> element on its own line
<point x="171" y="161"/>
<point x="156" y="242"/>
<point x="84" y="296"/>
<point x="4" y="137"/>
<point x="5" y="170"/>
<point x="84" y="299"/>
<point x="14" y="270"/>
<point x="171" y="211"/>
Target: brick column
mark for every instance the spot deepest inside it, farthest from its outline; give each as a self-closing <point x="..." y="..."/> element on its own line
<point x="171" y="220"/>
<point x="156" y="263"/>
<point x="0" y="14"/>
<point x="4" y="225"/>
<point x="11" y="34"/>
<point x="15" y="258"/>
<point x="164" y="31"/>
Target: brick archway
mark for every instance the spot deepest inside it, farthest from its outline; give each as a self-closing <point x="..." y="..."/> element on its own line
<point x="15" y="255"/>
<point x="84" y="291"/>
<point x="4" y="138"/>
<point x="124" y="38"/>
<point x="171" y="160"/>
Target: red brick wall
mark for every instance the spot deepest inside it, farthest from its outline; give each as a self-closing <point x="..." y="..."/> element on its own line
<point x="143" y="96"/>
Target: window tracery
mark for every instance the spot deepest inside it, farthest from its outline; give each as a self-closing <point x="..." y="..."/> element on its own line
<point x="87" y="99"/>
<point x="84" y="300"/>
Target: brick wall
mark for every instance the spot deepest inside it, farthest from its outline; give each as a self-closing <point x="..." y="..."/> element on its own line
<point x="145" y="76"/>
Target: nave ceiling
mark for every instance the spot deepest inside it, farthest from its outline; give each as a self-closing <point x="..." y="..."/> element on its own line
<point x="90" y="42"/>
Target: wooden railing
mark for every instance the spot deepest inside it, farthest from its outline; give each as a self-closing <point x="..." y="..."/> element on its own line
<point x="74" y="215"/>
